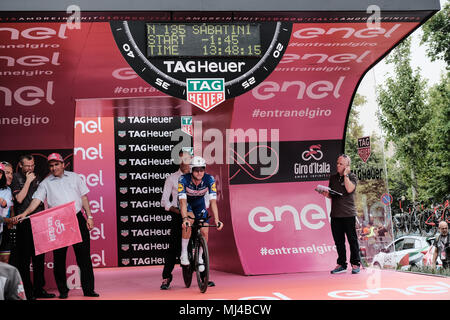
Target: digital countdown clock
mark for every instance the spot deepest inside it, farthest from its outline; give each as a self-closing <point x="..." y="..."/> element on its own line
<point x="203" y="40"/>
<point x="204" y="63"/>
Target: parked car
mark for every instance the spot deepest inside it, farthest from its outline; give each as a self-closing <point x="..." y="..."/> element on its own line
<point x="427" y="259"/>
<point x="405" y="252"/>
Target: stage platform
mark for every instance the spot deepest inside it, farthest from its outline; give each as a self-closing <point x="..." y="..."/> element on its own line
<point x="143" y="283"/>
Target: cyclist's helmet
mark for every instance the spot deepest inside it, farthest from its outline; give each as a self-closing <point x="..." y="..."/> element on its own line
<point x="198" y="162"/>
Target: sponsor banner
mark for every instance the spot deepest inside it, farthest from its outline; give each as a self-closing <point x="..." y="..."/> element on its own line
<point x="321" y="17"/>
<point x="143" y="161"/>
<point x="94" y="162"/>
<point x="312" y="86"/>
<point x="46" y="67"/>
<point x="284" y="228"/>
<point x="286" y="161"/>
<point x="83" y="16"/>
<point x="36" y="91"/>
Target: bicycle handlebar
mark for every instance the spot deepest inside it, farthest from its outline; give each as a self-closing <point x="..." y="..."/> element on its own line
<point x="201" y="221"/>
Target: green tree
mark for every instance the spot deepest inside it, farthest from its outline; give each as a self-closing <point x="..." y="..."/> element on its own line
<point x="403" y="114"/>
<point x="436" y="35"/>
<point x="434" y="180"/>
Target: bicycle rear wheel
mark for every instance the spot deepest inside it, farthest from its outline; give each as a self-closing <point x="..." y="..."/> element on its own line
<point x="202" y="277"/>
<point x="188" y="270"/>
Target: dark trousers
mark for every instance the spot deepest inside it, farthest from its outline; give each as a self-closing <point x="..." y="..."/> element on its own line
<point x="174" y="250"/>
<point x="23" y="253"/>
<point x="341" y="227"/>
<point x="83" y="256"/>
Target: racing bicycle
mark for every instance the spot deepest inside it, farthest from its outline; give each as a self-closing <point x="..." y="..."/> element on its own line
<point x="197" y="242"/>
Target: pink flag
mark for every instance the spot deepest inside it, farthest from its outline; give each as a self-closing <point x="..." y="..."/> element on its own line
<point x="55" y="228"/>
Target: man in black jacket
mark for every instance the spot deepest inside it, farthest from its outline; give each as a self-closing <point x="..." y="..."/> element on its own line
<point x="24" y="184"/>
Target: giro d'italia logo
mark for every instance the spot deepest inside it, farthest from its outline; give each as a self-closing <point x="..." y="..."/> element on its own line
<point x="205" y="93"/>
<point x="313" y="152"/>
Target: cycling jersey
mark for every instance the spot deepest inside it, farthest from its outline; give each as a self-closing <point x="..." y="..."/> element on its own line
<point x="195" y="195"/>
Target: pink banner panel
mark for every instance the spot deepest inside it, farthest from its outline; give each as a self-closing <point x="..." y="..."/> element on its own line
<point x="94" y="161"/>
<point x="281" y="228"/>
<point x="312" y="86"/>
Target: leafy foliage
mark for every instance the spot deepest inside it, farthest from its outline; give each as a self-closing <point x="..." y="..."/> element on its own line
<point x="436" y="35"/>
<point x="404" y="115"/>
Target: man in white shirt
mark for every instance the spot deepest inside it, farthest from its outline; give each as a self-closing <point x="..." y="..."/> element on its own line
<point x="169" y="201"/>
<point x="62" y="187"/>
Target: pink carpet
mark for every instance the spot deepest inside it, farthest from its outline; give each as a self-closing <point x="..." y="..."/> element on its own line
<point x="142" y="283"/>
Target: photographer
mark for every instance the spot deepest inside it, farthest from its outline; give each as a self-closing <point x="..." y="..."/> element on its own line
<point x="442" y="246"/>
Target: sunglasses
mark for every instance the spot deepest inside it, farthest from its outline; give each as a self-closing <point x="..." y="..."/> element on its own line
<point x="198" y="169"/>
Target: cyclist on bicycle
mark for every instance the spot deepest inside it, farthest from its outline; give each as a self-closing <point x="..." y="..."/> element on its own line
<point x="192" y="188"/>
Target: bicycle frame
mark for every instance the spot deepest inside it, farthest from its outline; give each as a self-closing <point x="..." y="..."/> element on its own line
<point x="196" y="242"/>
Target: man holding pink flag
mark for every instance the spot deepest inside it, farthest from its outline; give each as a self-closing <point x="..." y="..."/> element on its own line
<point x="59" y="188"/>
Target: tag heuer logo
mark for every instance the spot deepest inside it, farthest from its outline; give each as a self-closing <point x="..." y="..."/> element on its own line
<point x="205" y="93"/>
<point x="122" y="134"/>
<point x="364" y="148"/>
<point x="124" y="233"/>
<point x="122" y="162"/>
<point x="122" y="147"/>
<point x="123" y="190"/>
<point x="125" y="261"/>
<point x="186" y="125"/>
<point x="124" y="218"/>
<point x="123" y="204"/>
<point x="122" y="176"/>
<point x="121" y="119"/>
<point x="125" y="247"/>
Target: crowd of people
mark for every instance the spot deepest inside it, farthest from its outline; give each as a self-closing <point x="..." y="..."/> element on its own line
<point x="23" y="194"/>
<point x="189" y="191"/>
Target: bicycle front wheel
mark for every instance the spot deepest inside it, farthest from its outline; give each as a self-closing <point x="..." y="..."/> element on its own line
<point x="202" y="276"/>
<point x="188" y="270"/>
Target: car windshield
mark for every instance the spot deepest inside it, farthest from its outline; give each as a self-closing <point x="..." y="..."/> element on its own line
<point x="399" y="244"/>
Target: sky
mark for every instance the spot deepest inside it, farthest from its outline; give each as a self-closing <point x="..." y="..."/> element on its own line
<point x="374" y="77"/>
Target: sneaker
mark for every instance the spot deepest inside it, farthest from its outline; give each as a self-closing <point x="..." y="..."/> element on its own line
<point x="338" y="269"/>
<point x="184" y="260"/>
<point x="355" y="269"/>
<point x="165" y="284"/>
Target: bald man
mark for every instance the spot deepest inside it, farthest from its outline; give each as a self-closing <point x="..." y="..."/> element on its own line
<point x="343" y="214"/>
<point x="442" y="246"/>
